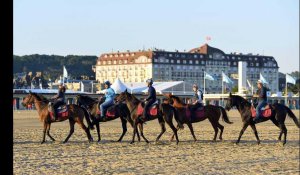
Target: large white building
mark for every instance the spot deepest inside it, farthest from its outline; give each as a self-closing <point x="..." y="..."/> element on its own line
<point x="185" y="66"/>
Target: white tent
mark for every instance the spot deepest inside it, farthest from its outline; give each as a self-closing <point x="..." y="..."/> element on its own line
<point x="118" y="86"/>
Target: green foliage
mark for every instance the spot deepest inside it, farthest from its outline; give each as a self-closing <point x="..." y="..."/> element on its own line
<point x="52" y="65"/>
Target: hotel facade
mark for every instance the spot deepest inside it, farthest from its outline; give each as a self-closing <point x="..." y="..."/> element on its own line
<point x="188" y="66"/>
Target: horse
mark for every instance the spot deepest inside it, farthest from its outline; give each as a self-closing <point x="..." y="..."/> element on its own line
<point x="75" y="114"/>
<point x="164" y="114"/>
<point x="277" y="115"/>
<point x="210" y="112"/>
<point x="91" y="106"/>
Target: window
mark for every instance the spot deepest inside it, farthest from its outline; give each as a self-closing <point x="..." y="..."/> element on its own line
<point x="155" y="65"/>
<point x="167" y="60"/>
<point x="115" y="62"/>
<point x="191" y="67"/>
<point x="178" y="61"/>
<point x="121" y="55"/>
<point x="125" y="61"/>
<point x="120" y="61"/>
<point x="257" y="64"/>
<point x="184" y="61"/>
<point x="202" y="62"/>
<point x="105" y="56"/>
<point x="170" y="55"/>
<point x="197" y="62"/>
<point x="255" y="58"/>
<point x="155" y="60"/>
<point x="172" y="61"/>
<point x="210" y="56"/>
<point x="178" y="67"/>
<point x="109" y="62"/>
<point x="182" y="55"/>
<point x="191" y="62"/>
<point x="195" y="56"/>
<point x="233" y="58"/>
<point x="201" y="56"/>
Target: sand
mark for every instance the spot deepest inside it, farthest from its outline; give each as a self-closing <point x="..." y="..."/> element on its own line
<point x="189" y="157"/>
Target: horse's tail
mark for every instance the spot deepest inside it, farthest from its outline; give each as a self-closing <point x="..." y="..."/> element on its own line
<point x="87" y="117"/>
<point x="224" y="115"/>
<point x="292" y="115"/>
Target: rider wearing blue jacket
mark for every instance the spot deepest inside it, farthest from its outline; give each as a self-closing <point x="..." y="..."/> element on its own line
<point x="109" y="98"/>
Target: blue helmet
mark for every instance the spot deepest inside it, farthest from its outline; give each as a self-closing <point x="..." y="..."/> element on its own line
<point x="107" y="83"/>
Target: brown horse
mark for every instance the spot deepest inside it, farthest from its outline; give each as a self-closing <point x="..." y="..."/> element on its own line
<point x="164" y="114"/>
<point x="278" y="116"/>
<point x="212" y="113"/>
<point x="120" y="111"/>
<point x="75" y="115"/>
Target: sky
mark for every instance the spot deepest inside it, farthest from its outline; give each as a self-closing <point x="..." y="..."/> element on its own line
<point x="93" y="27"/>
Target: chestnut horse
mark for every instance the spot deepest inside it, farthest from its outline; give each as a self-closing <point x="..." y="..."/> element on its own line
<point x="164" y="114"/>
<point x="212" y="113"/>
<point x="75" y="115"/>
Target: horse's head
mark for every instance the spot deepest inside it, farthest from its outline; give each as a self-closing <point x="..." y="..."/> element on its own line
<point x="123" y="96"/>
<point x="231" y="101"/>
<point x="169" y="98"/>
<point x="29" y="99"/>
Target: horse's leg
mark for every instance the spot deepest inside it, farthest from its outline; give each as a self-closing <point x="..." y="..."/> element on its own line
<point x="170" y="123"/>
<point x="142" y="132"/>
<point x="124" y="126"/>
<point x="242" y="132"/>
<point x="277" y="124"/>
<point x="284" y="130"/>
<point x="163" y="128"/>
<point x="221" y="127"/>
<point x="214" y="125"/>
<point x="192" y="130"/>
<point x="173" y="135"/>
<point x="87" y="130"/>
<point x="44" y="132"/>
<point x="134" y="132"/>
<point x="48" y="132"/>
<point x="98" y="131"/>
<point x="255" y="133"/>
<point x="72" y="123"/>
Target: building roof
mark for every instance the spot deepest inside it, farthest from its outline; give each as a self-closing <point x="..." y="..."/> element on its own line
<point x="206" y="49"/>
<point x="124" y="55"/>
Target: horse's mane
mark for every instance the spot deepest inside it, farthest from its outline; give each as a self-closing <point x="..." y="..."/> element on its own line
<point x="241" y="100"/>
<point x="134" y="99"/>
<point x="178" y="99"/>
<point x="40" y="97"/>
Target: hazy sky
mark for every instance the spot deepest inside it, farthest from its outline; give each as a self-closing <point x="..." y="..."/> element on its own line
<point x="93" y="27"/>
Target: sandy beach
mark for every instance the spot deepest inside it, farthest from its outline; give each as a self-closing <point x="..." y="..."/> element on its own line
<point x="189" y="157"/>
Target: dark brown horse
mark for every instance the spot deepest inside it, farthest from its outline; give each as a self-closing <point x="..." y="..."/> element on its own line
<point x="75" y="115"/>
<point x="278" y="116"/>
<point x="164" y="114"/>
<point x="91" y="106"/>
<point x="212" y="113"/>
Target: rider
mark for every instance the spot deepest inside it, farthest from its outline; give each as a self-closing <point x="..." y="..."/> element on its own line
<point x="262" y="99"/>
<point x="59" y="99"/>
<point x="109" y="98"/>
<point x="198" y="96"/>
<point x="150" y="99"/>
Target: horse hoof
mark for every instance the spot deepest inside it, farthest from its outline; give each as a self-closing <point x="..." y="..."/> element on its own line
<point x="42" y="142"/>
<point x="177" y="143"/>
<point x="98" y="141"/>
<point x="131" y="142"/>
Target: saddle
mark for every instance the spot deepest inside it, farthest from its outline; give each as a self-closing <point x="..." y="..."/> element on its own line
<point x="62" y="111"/>
<point x="266" y="111"/>
<point x="153" y="110"/>
<point x="197" y="114"/>
<point x="110" y="111"/>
